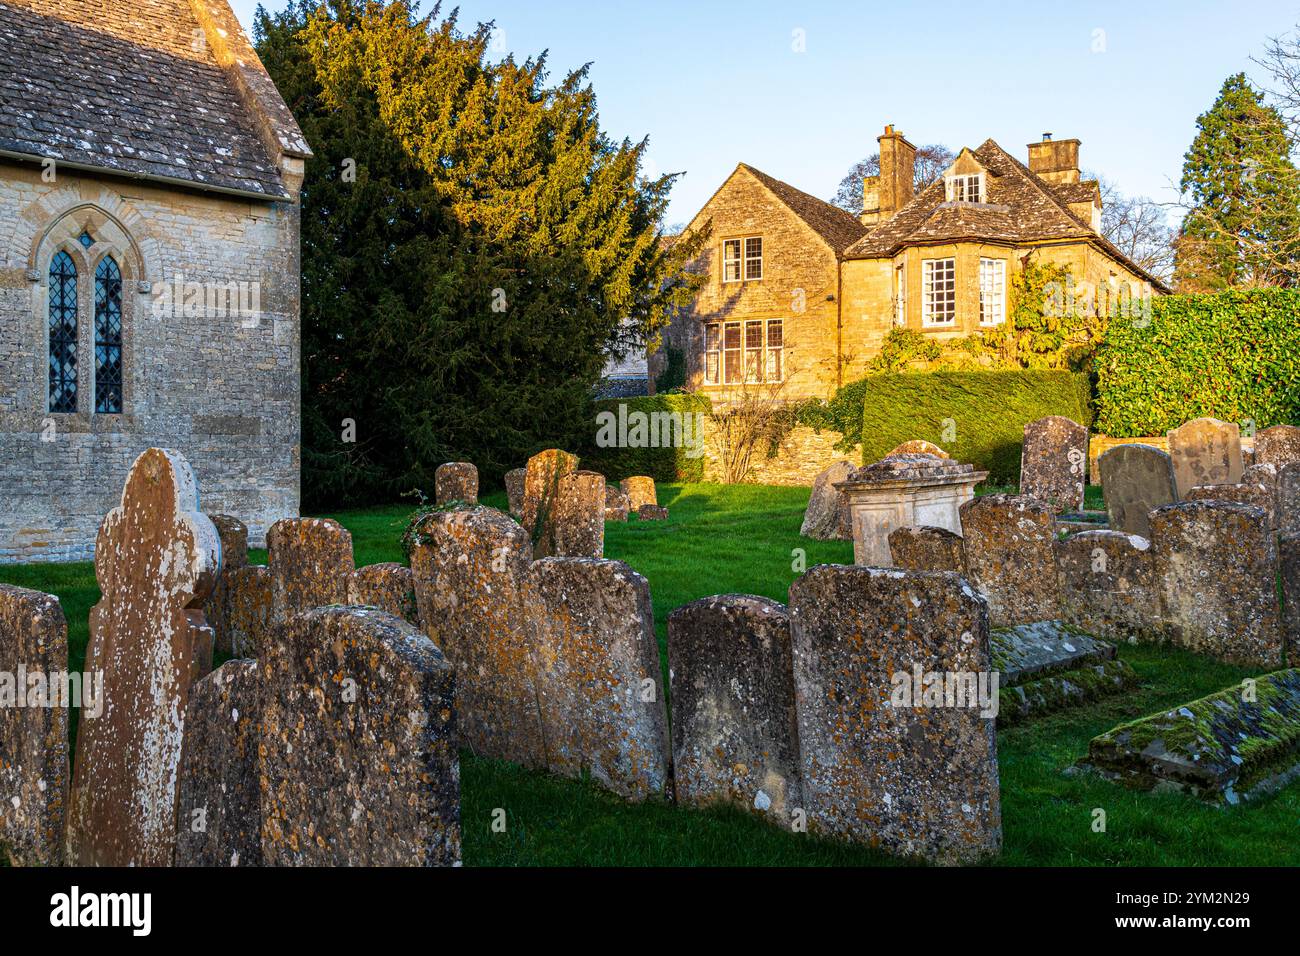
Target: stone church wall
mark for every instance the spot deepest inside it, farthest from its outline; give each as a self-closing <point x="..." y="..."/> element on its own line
<point x="210" y="375"/>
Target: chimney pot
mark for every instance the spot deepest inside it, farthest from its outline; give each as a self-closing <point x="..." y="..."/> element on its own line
<point x="1047" y="137"/>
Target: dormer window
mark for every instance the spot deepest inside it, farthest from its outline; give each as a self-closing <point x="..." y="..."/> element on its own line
<point x="742" y="259"/>
<point x="967" y="188"/>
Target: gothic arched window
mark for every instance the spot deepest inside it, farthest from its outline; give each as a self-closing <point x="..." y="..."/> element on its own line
<point x="108" y="337"/>
<point x="63" y="334"/>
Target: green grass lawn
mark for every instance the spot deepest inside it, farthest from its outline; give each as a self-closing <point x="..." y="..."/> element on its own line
<point x="744" y="538"/>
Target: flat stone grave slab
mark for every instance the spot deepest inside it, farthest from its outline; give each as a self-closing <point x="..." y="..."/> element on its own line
<point x="1233" y="745"/>
<point x="1048" y="665"/>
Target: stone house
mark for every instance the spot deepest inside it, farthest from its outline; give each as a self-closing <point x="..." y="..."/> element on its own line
<point x="801" y="294"/>
<point x="149" y="265"/>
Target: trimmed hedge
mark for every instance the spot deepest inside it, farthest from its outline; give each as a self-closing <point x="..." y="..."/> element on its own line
<point x="988" y="412"/>
<point x="1232" y="355"/>
<point x="661" y="464"/>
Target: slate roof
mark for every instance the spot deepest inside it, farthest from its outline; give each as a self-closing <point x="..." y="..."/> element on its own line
<point x="839" y="228"/>
<point x="1019" y="207"/>
<point x="134" y="88"/>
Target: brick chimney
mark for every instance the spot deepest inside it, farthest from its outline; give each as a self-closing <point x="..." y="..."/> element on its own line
<point x="884" y="195"/>
<point x="1055" y="160"/>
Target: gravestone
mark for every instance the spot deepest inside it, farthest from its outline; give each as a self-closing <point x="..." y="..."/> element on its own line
<point x="1009" y="543"/>
<point x="879" y="765"/>
<point x="359" y="764"/>
<point x="234" y="555"/>
<point x="652" y="513"/>
<point x="515" y="480"/>
<point x="735" y="734"/>
<point x="1257" y="493"/>
<point x="617" y="503"/>
<point x="1278" y="445"/>
<point x="1227" y="747"/>
<point x="1053" y="461"/>
<point x="388" y="586"/>
<point x="827" y="516"/>
<point x="33" y="727"/>
<point x="310" y="560"/>
<point x="1289" y="563"/>
<point x="580" y="516"/>
<point x="598" y="676"/>
<point x="156" y="559"/>
<point x="471" y="589"/>
<point x="218" y="804"/>
<point x="1288" y="499"/>
<point x="541" y="486"/>
<point x="1108" y="585"/>
<point x="248" y="608"/>
<point x="1205" y="451"/>
<point x="926" y="548"/>
<point x="918" y="446"/>
<point x="1216" y="567"/>
<point x="456" y="481"/>
<point x="1136" y="479"/>
<point x="640" y="490"/>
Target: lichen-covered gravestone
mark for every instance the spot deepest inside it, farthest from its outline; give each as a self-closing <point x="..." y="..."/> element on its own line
<point x="248" y="608"/>
<point x="1108" y="584"/>
<point x="1256" y="492"/>
<point x="310" y="560"/>
<point x="1216" y="567"/>
<point x="1053" y="462"/>
<point x="389" y="586"/>
<point x="541" y="488"/>
<point x="827" y="516"/>
<point x="1136" y="479"/>
<point x="1278" y="445"/>
<point x="735" y="736"/>
<point x="471" y="589"/>
<point x="580" y="516"/>
<point x="515" y="480"/>
<point x="33" y="727"/>
<point x="156" y="558"/>
<point x="234" y="555"/>
<point x="598" y="675"/>
<point x="1205" y="451"/>
<point x="640" y="490"/>
<point x="880" y="766"/>
<point x="1289" y="561"/>
<point x="617" y="504"/>
<point x="926" y="548"/>
<point x="218" y="803"/>
<point x="359" y="764"/>
<point x="1288" y="499"/>
<point x="455" y="481"/>
<point x="1009" y="544"/>
<point x="652" y="513"/>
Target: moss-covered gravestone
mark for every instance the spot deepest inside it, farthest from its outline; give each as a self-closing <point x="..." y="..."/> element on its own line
<point x="541" y="488"/>
<point x="735" y="736"/>
<point x="515" y="480"/>
<point x="156" y="559"/>
<point x="358" y="758"/>
<point x="33" y="728"/>
<point x="884" y="762"/>
<point x="234" y="555"/>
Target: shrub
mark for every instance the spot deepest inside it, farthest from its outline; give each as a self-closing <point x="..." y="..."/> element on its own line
<point x="660" y="463"/>
<point x="978" y="417"/>
<point x="1233" y="355"/>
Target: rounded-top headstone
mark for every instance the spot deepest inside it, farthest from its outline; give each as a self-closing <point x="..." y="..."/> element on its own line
<point x="456" y="481"/>
<point x="918" y="446"/>
<point x="1136" y="479"/>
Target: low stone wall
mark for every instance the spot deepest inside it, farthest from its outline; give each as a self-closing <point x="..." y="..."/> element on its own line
<point x="801" y="457"/>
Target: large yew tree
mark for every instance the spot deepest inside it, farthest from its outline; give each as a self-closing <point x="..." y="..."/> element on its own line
<point x="472" y="245"/>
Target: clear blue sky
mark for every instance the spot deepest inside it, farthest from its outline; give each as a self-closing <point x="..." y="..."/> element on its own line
<point x="716" y="83"/>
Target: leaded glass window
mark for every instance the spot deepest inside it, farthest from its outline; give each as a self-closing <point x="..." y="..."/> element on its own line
<point x="63" y="334"/>
<point x="86" y="239"/>
<point x="108" y="337"/>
